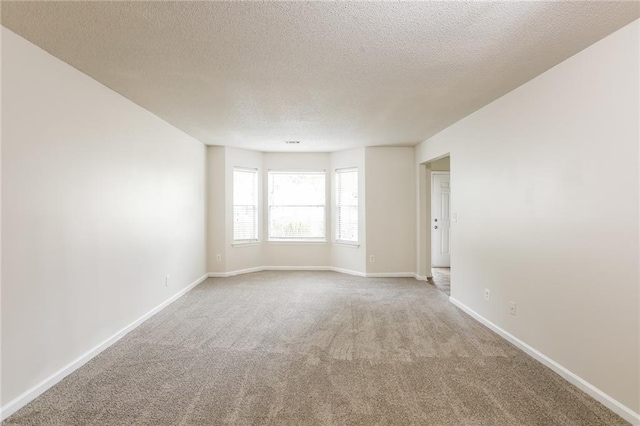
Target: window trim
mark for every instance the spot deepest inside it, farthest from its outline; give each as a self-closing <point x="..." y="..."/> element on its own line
<point x="297" y="240"/>
<point x="338" y="241"/>
<point x="251" y="241"/>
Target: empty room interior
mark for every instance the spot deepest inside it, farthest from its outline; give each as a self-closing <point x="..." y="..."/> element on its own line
<point x="320" y="213"/>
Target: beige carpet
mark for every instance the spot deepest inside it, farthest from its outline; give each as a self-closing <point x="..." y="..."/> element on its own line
<point x="441" y="279"/>
<point x="313" y="348"/>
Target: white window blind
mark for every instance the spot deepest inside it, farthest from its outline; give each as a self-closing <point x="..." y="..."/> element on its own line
<point x="347" y="205"/>
<point x="296" y="205"/>
<point x="245" y="204"/>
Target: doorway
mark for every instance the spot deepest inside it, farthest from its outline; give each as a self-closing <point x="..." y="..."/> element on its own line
<point x="440" y="220"/>
<point x="440" y="224"/>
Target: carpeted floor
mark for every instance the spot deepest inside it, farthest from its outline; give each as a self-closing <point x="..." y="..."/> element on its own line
<point x="313" y="348"/>
<point x="442" y="279"/>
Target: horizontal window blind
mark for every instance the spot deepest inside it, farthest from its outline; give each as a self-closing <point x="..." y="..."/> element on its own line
<point x="245" y="204"/>
<point x="347" y="205"/>
<point x="296" y="205"/>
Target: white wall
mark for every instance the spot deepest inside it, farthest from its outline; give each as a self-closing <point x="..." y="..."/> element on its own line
<point x="216" y="209"/>
<point x="423" y="221"/>
<point x="350" y="257"/>
<point x="100" y="200"/>
<point x="390" y="210"/>
<point x="545" y="185"/>
<point x="1" y="174"/>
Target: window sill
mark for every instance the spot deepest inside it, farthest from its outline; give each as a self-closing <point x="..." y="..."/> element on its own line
<point x="298" y="242"/>
<point x="347" y="244"/>
<point x="245" y="243"/>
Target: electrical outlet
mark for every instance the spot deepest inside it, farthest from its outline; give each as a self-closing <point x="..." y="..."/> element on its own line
<point x="219" y="257"/>
<point x="372" y="258"/>
<point x="512" y="308"/>
<point x="166" y="282"/>
<point x="486" y="294"/>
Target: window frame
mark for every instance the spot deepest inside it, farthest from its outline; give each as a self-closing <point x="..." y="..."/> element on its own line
<point x="304" y="240"/>
<point x="255" y="172"/>
<point x="339" y="240"/>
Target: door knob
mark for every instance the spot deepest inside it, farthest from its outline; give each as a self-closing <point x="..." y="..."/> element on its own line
<point x="435" y="227"/>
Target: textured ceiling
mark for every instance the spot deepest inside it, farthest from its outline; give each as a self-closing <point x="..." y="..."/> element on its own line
<point x="332" y="75"/>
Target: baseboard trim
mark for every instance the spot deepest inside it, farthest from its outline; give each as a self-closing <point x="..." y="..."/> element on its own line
<point x="232" y="273"/>
<point x="391" y="274"/>
<point x="296" y="268"/>
<point x="317" y="268"/>
<point x="617" y="407"/>
<point x="420" y="277"/>
<point x="348" y="272"/>
<point x="17" y="403"/>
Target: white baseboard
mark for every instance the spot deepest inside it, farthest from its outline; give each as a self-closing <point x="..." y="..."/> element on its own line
<point x="391" y="274"/>
<point x="232" y="273"/>
<point x="285" y="268"/>
<point x="420" y="277"/>
<point x="317" y="268"/>
<point x="37" y="390"/>
<point x="267" y="268"/>
<point x="296" y="268"/>
<point x="348" y="272"/>
<point x="595" y="393"/>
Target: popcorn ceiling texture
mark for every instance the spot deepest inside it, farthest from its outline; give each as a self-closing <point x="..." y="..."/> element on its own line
<point x="333" y="75"/>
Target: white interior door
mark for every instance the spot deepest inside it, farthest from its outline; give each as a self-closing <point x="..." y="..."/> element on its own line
<point x="440" y="220"/>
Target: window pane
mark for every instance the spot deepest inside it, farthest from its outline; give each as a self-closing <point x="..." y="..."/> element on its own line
<point x="297" y="205"/>
<point x="244" y="222"/>
<point x="297" y="188"/>
<point x="245" y="205"/>
<point x="297" y="222"/>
